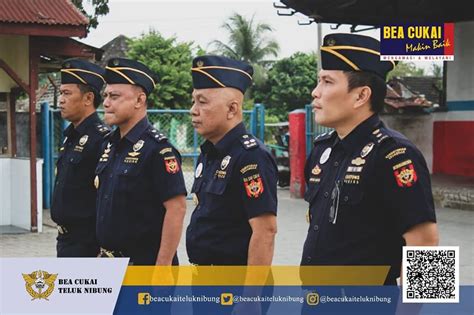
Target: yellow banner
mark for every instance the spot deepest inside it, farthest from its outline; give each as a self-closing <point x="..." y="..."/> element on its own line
<point x="254" y="275"/>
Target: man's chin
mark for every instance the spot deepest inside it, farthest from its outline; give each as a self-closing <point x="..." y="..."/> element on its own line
<point x="110" y="120"/>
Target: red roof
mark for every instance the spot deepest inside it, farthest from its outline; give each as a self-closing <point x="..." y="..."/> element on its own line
<point x="47" y="12"/>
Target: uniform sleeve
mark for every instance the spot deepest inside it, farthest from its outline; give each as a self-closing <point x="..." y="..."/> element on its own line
<point x="405" y="180"/>
<point x="168" y="180"/>
<point x="258" y="176"/>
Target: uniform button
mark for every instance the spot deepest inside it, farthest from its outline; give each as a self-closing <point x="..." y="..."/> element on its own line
<point x="316" y="227"/>
<point x="71" y="159"/>
<point x="346" y="198"/>
<point x="125" y="171"/>
<point x="106" y="197"/>
<point x="326" y="194"/>
<point x="336" y="164"/>
<point x="111" y="175"/>
<point x="204" y="183"/>
<point x="308" y="259"/>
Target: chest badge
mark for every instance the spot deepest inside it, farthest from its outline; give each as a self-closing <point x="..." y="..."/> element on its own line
<point x="198" y="171"/>
<point x="83" y="140"/>
<point x="325" y="156"/>
<point x="366" y="150"/>
<point x="132" y="156"/>
<point x="316" y="170"/>
<point x="105" y="155"/>
<point x="358" y="161"/>
<point x="225" y="162"/>
<point x="136" y="147"/>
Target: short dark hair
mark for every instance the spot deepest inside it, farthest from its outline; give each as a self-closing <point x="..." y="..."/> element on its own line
<point x="86" y="89"/>
<point x="376" y="84"/>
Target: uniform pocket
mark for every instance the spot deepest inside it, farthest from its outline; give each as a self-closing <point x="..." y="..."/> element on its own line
<point x="216" y="186"/>
<point x="351" y="194"/>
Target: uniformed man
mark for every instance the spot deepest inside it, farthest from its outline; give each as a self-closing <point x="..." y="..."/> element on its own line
<point x="234" y="222"/>
<point x="368" y="186"/>
<point x="141" y="191"/>
<point x="73" y="207"/>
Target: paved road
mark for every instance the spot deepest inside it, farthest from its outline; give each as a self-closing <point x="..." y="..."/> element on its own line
<point x="456" y="229"/>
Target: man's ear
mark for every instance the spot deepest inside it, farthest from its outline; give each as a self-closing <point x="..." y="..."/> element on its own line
<point x="141" y="100"/>
<point x="89" y="98"/>
<point x="362" y="96"/>
<point x="232" y="109"/>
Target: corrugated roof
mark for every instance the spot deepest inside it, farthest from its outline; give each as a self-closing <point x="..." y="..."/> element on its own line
<point x="47" y="12"/>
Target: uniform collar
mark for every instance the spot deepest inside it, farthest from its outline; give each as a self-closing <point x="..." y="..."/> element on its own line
<point x="225" y="144"/>
<point x="83" y="126"/>
<point x="360" y="134"/>
<point x="135" y="133"/>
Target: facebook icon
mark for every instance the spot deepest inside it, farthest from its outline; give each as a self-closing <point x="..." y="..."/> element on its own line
<point x="144" y="298"/>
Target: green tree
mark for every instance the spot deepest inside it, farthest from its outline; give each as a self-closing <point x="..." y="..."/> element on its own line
<point x="289" y="84"/>
<point x="248" y="41"/>
<point x="171" y="61"/>
<point x="406" y="69"/>
<point x="100" y="7"/>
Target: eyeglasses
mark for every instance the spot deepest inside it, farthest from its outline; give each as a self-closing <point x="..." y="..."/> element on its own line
<point x="335" y="202"/>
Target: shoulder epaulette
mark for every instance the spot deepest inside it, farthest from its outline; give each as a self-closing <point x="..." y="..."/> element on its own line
<point x="323" y="136"/>
<point x="155" y="134"/>
<point x="380" y="135"/>
<point x="104" y="130"/>
<point x="248" y="141"/>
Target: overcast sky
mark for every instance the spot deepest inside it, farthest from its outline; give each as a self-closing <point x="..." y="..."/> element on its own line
<point x="200" y="21"/>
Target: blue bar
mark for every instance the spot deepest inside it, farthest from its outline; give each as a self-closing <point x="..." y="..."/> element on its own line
<point x="46" y="145"/>
<point x="253" y="120"/>
<point x="460" y="105"/>
<point x="261" y="121"/>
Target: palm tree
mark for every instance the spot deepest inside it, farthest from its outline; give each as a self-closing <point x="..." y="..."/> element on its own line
<point x="248" y="42"/>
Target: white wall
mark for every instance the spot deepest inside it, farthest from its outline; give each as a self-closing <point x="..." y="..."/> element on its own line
<point x="460" y="84"/>
<point x="15" y="193"/>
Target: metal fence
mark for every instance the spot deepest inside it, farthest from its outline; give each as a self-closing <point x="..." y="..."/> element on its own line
<point x="312" y="128"/>
<point x="174" y="123"/>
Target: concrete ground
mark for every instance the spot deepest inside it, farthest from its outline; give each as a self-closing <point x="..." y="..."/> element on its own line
<point x="455" y="226"/>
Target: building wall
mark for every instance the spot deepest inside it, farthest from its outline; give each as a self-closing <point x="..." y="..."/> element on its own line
<point x="418" y="128"/>
<point x="15" y="192"/>
<point x="453" y="141"/>
<point x="14" y="51"/>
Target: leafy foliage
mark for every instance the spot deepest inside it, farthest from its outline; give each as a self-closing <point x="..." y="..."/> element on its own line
<point x="405" y="69"/>
<point x="171" y="61"/>
<point x="289" y="84"/>
<point x="100" y="7"/>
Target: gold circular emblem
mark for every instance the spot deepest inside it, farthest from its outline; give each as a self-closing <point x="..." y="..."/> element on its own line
<point x="200" y="63"/>
<point x="331" y="42"/>
<point x="115" y="62"/>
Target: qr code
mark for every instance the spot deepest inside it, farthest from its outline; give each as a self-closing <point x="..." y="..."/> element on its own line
<point x="430" y="274"/>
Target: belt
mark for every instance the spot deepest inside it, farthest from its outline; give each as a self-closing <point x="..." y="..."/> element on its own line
<point x="110" y="253"/>
<point x="80" y="227"/>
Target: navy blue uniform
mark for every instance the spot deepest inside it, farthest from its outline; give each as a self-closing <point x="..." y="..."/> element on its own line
<point x="135" y="175"/>
<point x="235" y="181"/>
<point x="365" y="191"/>
<point x="73" y="207"/>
